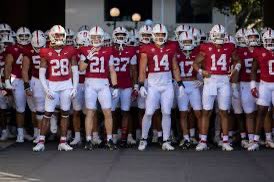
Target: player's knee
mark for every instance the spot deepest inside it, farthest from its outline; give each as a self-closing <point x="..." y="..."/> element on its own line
<point x="39" y="115"/>
<point x="64" y="114"/>
<point x="48" y="115"/>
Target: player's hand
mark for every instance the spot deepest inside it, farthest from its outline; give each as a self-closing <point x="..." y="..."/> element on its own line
<point x="255" y="92"/>
<point x="181" y="91"/>
<point x="73" y="93"/>
<point x="3" y="92"/>
<point x="29" y="92"/>
<point x="49" y="94"/>
<point x="143" y="92"/>
<point x="8" y="84"/>
<point x="92" y="53"/>
<point x="115" y="93"/>
<point x="206" y="74"/>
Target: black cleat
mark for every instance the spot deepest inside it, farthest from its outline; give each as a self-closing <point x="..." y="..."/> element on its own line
<point x="110" y="145"/>
<point x="185" y="145"/>
<point x="89" y="145"/>
<point x="160" y="141"/>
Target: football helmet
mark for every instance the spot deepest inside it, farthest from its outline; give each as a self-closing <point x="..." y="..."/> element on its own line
<point x="107" y="39"/>
<point x="133" y="38"/>
<point x="181" y="28"/>
<point x="263" y="30"/>
<point x="57" y="35"/>
<point x="268" y="40"/>
<point x="70" y="36"/>
<point x="82" y="38"/>
<point x="186" y="41"/>
<point x="217" y="34"/>
<point x="203" y="37"/>
<point x="5" y="42"/>
<point x="252" y="37"/>
<point x="84" y="27"/>
<point x="97" y="36"/>
<point x="4" y="29"/>
<point x="196" y="35"/>
<point x="240" y="37"/>
<point x="230" y="39"/>
<point x="159" y="34"/>
<point x="120" y="36"/>
<point x="145" y="34"/>
<point x="38" y="40"/>
<point x="47" y="35"/>
<point x="23" y="36"/>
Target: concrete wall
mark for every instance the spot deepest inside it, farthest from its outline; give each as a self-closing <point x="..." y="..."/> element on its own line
<point x="91" y="12"/>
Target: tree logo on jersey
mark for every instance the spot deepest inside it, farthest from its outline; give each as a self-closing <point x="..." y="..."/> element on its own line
<point x="50" y="53"/>
<point x="210" y="48"/>
<point x="264" y="54"/>
<point x="245" y="53"/>
<point x="16" y="49"/>
<point x="32" y="51"/>
<point x="152" y="50"/>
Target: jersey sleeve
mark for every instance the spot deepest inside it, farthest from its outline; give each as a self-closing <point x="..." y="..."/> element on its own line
<point x="143" y="49"/>
<point x="9" y="49"/>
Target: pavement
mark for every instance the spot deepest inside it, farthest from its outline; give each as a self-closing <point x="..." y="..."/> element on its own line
<point x="19" y="164"/>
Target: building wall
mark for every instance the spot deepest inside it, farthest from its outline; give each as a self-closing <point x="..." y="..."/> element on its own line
<point x="91" y="12"/>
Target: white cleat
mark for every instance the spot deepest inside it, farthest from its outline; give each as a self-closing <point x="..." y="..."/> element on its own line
<point x="20" y="139"/>
<point x="65" y="147"/>
<point x="142" y="145"/>
<point x="245" y="144"/>
<point x="201" y="146"/>
<point x="4" y="135"/>
<point x="76" y="141"/>
<point x="253" y="146"/>
<point x="39" y="147"/>
<point x="36" y="140"/>
<point x="131" y="141"/>
<point x="96" y="141"/>
<point x="226" y="147"/>
<point x="269" y="144"/>
<point x="167" y="146"/>
<point x="28" y="137"/>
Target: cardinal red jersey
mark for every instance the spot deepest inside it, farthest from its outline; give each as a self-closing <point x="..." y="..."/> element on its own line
<point x="159" y="58"/>
<point x="122" y="61"/>
<point x="246" y="61"/>
<point x="217" y="61"/>
<point x="58" y="63"/>
<point x="34" y="62"/>
<point x="265" y="59"/>
<point x="17" y="51"/>
<point x="81" y="73"/>
<point x="98" y="65"/>
<point x="2" y="66"/>
<point x="185" y="60"/>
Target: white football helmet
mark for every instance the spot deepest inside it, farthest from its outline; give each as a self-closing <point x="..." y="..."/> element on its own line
<point x="47" y="35"/>
<point x="57" y="35"/>
<point x="13" y="34"/>
<point x="230" y="39"/>
<point x="84" y="27"/>
<point x="159" y="34"/>
<point x="5" y="42"/>
<point x="23" y="36"/>
<point x="38" y="40"/>
<point x="107" y="40"/>
<point x="186" y="41"/>
<point x="268" y="40"/>
<point x="196" y="35"/>
<point x="133" y="38"/>
<point x="97" y="36"/>
<point x="263" y="30"/>
<point x="240" y="37"/>
<point x="203" y="37"/>
<point x="181" y="28"/>
<point x="70" y="36"/>
<point x="120" y="36"/>
<point x="145" y="34"/>
<point x="252" y="37"/>
<point x="82" y="38"/>
<point x="217" y="34"/>
<point x="4" y="29"/>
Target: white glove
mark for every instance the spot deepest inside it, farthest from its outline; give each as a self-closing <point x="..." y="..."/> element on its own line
<point x="8" y="84"/>
<point x="92" y="53"/>
<point x="49" y="94"/>
<point x="143" y="91"/>
<point x="235" y="91"/>
<point x="181" y="91"/>
<point x="198" y="83"/>
<point x="115" y="93"/>
<point x="73" y="93"/>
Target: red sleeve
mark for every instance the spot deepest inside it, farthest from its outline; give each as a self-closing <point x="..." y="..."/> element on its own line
<point x="143" y="49"/>
<point x="203" y="48"/>
<point x="9" y="49"/>
<point x="256" y="53"/>
<point x="73" y="51"/>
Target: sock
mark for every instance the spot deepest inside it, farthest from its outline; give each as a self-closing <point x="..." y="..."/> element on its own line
<point x="129" y="136"/>
<point x="160" y="134"/>
<point x="146" y="123"/>
<point x="42" y="139"/>
<point x="109" y="137"/>
<point x="124" y="133"/>
<point x="77" y="135"/>
<point x="166" y="125"/>
<point x="203" y="138"/>
<point x="155" y="133"/>
<point x="250" y="137"/>
<point x="63" y="139"/>
<point x="186" y="137"/>
<point x="268" y="136"/>
<point x="243" y="135"/>
<point x="35" y="132"/>
<point x="256" y="138"/>
<point x="192" y="132"/>
<point x="20" y="131"/>
<point x="225" y="138"/>
<point x="88" y="138"/>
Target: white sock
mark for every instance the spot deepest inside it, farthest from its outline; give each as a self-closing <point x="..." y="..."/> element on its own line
<point x="243" y="135"/>
<point x="42" y="138"/>
<point x="20" y="131"/>
<point x="250" y="137"/>
<point x="256" y="138"/>
<point x="166" y="125"/>
<point x="77" y="135"/>
<point x="192" y="132"/>
<point x="88" y="138"/>
<point x="109" y="137"/>
<point x="268" y="136"/>
<point x="186" y="137"/>
<point x="203" y="138"/>
<point x="35" y="132"/>
<point x="146" y="124"/>
<point x="160" y="134"/>
<point x="225" y="138"/>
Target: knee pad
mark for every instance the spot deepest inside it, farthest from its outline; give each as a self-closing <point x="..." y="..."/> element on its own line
<point x="48" y="115"/>
<point x="64" y="114"/>
<point x="39" y="115"/>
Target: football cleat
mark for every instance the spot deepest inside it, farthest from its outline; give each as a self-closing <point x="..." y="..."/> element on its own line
<point x="226" y="147"/>
<point x="142" y="145"/>
<point x="4" y="135"/>
<point x="36" y="140"/>
<point x="201" y="146"/>
<point x="269" y="144"/>
<point x="96" y="141"/>
<point x="110" y="145"/>
<point x="167" y="146"/>
<point x="39" y="147"/>
<point x="253" y="146"/>
<point x="89" y="145"/>
<point x="65" y="147"/>
<point x="20" y="139"/>
<point x="184" y="145"/>
<point x="244" y="144"/>
<point x="76" y="141"/>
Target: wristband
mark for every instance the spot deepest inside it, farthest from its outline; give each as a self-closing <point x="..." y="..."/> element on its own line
<point x="26" y="85"/>
<point x="180" y="83"/>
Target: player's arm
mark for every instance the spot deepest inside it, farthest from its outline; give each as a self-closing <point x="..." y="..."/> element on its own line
<point x="8" y="68"/>
<point x="237" y="67"/>
<point x="254" y="68"/>
<point x="133" y="70"/>
<point x="42" y="73"/>
<point x="75" y="72"/>
<point x="142" y="68"/>
<point x="25" y="74"/>
<point x="83" y="63"/>
<point x="197" y="65"/>
<point x="176" y="69"/>
<point x="113" y="75"/>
